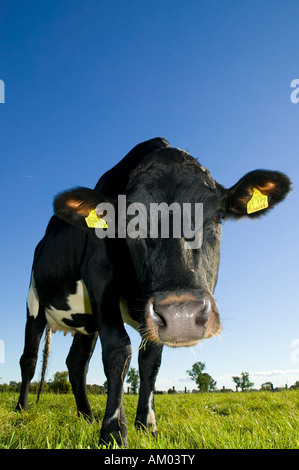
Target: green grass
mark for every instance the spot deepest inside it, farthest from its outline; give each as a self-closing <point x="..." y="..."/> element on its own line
<point x="257" y="420"/>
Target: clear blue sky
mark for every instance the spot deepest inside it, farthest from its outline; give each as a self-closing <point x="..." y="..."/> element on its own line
<point x="86" y="81"/>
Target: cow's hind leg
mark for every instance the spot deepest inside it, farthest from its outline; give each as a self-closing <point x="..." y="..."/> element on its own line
<point x="149" y="362"/>
<point x="117" y="352"/>
<point x="33" y="333"/>
<point x="77" y="364"/>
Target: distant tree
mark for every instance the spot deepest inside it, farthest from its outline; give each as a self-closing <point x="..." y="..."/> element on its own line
<point x="5" y="388"/>
<point x="60" y="383"/>
<point x="295" y="386"/>
<point x="196" y="370"/>
<point x="13" y="385"/>
<point x="34" y="386"/>
<point x="226" y="390"/>
<point x="96" y="389"/>
<point x="243" y="382"/>
<point x="204" y="381"/>
<point x="237" y="381"/>
<point x="267" y="386"/>
<point x="133" y="379"/>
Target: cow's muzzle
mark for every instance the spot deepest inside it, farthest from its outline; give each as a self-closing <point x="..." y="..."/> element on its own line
<point x="181" y="319"/>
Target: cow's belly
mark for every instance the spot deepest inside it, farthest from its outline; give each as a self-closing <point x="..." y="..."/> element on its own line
<point x="126" y="316"/>
<point x="78" y="316"/>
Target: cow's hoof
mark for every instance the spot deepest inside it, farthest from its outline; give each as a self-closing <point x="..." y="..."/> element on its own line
<point x="87" y="416"/>
<point x="113" y="440"/>
<point x="19" y="408"/>
<point x="142" y="427"/>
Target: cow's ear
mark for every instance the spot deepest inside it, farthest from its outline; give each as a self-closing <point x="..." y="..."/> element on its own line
<point x="256" y="193"/>
<point x="80" y="207"/>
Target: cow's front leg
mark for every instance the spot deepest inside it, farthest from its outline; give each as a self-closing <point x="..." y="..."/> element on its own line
<point x="149" y="363"/>
<point x="117" y="352"/>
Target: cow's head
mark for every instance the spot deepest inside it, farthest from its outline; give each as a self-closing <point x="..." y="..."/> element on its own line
<point x="177" y="271"/>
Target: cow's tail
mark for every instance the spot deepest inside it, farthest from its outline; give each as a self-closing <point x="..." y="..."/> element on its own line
<point x="46" y="352"/>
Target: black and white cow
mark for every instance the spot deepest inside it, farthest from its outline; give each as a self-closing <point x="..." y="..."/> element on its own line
<point x="91" y="285"/>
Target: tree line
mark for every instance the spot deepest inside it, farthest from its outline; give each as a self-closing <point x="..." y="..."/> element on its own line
<point x="203" y="380"/>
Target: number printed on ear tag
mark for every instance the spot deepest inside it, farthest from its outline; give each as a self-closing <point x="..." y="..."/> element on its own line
<point x="258" y="202"/>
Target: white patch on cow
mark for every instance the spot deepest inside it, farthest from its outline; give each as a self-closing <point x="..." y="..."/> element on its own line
<point x="114" y="416"/>
<point x="126" y="316"/>
<point x="32" y="299"/>
<point x="151" y="418"/>
<point x="78" y="303"/>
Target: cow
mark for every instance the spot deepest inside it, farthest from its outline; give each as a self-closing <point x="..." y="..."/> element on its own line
<point x="91" y="283"/>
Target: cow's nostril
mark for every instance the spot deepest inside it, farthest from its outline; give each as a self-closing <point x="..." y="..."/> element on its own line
<point x="158" y="317"/>
<point x="203" y="312"/>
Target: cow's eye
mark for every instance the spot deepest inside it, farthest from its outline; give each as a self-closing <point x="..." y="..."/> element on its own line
<point x="219" y="215"/>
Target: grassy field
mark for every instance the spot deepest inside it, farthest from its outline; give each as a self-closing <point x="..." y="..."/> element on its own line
<point x="257" y="420"/>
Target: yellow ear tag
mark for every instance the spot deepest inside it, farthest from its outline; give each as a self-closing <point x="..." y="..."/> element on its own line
<point x="93" y="221"/>
<point x="258" y="202"/>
